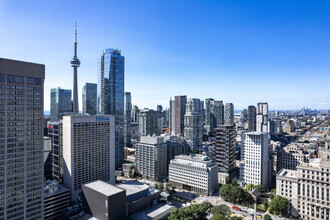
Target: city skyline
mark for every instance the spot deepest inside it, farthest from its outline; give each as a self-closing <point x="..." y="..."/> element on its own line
<point x="240" y="53"/>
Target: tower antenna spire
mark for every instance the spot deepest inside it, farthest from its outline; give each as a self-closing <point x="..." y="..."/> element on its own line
<point x="75" y="63"/>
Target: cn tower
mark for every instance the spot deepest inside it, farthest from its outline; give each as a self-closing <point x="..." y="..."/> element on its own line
<point x="75" y="63"/>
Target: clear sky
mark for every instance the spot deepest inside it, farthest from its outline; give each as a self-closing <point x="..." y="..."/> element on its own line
<point x="236" y="51"/>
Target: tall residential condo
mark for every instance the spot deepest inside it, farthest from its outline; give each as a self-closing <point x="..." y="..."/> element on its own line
<point x="229" y="114"/>
<point x="110" y="94"/>
<point x="262" y="117"/>
<point x="89" y="98"/>
<point x="252" y="112"/>
<point x="127" y="119"/>
<point x="255" y="159"/>
<point x="88" y="152"/>
<point x="149" y="122"/>
<point x="224" y="151"/>
<point x="177" y="112"/>
<point x="60" y="103"/>
<point x="21" y="139"/>
<point x="193" y="124"/>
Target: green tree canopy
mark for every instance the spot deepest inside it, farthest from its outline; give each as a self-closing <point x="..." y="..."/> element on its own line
<point x="192" y="212"/>
<point x="278" y="205"/>
<point x="222" y="209"/>
<point x="267" y="217"/>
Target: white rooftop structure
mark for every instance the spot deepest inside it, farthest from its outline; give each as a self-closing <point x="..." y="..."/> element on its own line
<point x="197" y="161"/>
<point x="104" y="188"/>
<point x="152" y="139"/>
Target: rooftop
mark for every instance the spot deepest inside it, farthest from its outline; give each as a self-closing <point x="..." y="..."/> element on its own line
<point x="288" y="173"/>
<point x="104" y="188"/>
<point x="132" y="187"/>
<point x="197" y="160"/>
<point x="159" y="211"/>
<point x="151" y="140"/>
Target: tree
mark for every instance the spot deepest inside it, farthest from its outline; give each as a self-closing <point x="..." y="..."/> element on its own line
<point x="161" y="186"/>
<point x="267" y="217"/>
<point x="266" y="204"/>
<point x="278" y="205"/>
<point x="249" y="186"/>
<point x="193" y="212"/>
<point x="233" y="193"/>
<point x="260" y="188"/>
<point x="222" y="209"/>
<point x="156" y="186"/>
<point x="219" y="217"/>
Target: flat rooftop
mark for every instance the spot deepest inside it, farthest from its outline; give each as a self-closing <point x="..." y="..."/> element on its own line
<point x="197" y="161"/>
<point x="104" y="188"/>
<point x="254" y="133"/>
<point x="288" y="173"/>
<point x="160" y="210"/>
<point x="132" y="187"/>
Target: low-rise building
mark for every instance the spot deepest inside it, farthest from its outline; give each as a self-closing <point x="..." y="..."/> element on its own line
<point x="56" y="199"/>
<point x="194" y="173"/>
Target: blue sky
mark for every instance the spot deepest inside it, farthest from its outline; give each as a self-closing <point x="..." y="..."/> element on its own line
<point x="236" y="51"/>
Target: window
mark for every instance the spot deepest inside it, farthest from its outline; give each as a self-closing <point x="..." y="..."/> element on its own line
<point x="15" y="79"/>
<point x="33" y="81"/>
<point x="2" y="77"/>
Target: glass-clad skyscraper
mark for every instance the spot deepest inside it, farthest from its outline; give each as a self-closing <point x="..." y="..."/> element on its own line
<point x="110" y="94"/>
<point x="60" y="102"/>
<point x="89" y="98"/>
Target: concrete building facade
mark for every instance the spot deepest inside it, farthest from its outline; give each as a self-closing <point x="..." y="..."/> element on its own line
<point x="252" y="114"/>
<point x="193" y="124"/>
<point x="89" y="152"/>
<point x="151" y="158"/>
<point x="177" y="112"/>
<point x="262" y="117"/>
<point x="21" y="139"/>
<point x="229" y="114"/>
<point x="224" y="150"/>
<point x="127" y="119"/>
<point x="194" y="173"/>
<point x="255" y="157"/>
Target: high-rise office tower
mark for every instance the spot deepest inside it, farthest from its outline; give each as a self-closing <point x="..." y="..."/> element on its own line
<point x="149" y="122"/>
<point x="21" y="139"/>
<point x="262" y="117"/>
<point x="127" y="119"/>
<point x="244" y="114"/>
<point x="255" y="158"/>
<point x="88" y="152"/>
<point x="252" y="112"/>
<point x="214" y="115"/>
<point x="177" y="112"/>
<point x="193" y="124"/>
<point x="75" y="63"/>
<point x="55" y="132"/>
<point x="229" y="114"/>
<point x="135" y="114"/>
<point x="224" y="151"/>
<point x="159" y="108"/>
<point x="110" y="94"/>
<point x="89" y="98"/>
<point x="60" y="103"/>
<point x="208" y="115"/>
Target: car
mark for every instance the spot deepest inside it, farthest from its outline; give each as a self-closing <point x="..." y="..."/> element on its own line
<point x="234" y="207"/>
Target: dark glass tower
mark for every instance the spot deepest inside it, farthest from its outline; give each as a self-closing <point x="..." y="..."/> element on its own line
<point x="110" y="94"/>
<point x="75" y="63"/>
<point x="89" y="98"/>
<point x="60" y="103"/>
